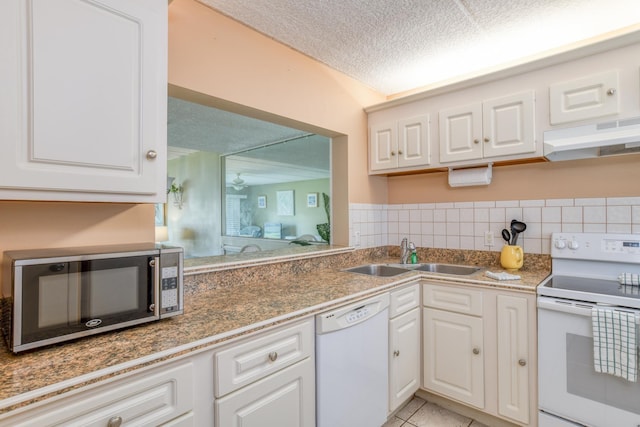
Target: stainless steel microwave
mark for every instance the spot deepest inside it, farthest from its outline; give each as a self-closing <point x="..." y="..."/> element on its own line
<point x="55" y="295"/>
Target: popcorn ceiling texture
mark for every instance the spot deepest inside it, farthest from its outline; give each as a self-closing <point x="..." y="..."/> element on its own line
<point x="394" y="46"/>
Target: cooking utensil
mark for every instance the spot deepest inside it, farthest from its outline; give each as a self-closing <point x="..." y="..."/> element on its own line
<point x="506" y="235"/>
<point x="517" y="227"/>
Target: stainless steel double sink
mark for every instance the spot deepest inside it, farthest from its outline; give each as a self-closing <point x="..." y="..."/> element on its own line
<point x="389" y="270"/>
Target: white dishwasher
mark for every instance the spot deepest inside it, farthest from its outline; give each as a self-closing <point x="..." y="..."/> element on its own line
<point x="352" y="364"/>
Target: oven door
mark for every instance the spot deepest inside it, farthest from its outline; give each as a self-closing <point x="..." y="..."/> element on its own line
<point x="569" y="387"/>
<point x="68" y="299"/>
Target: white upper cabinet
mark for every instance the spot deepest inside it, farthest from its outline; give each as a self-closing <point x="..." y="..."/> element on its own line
<point x="83" y="105"/>
<point x="401" y="144"/>
<point x="584" y="98"/>
<point x="494" y="129"/>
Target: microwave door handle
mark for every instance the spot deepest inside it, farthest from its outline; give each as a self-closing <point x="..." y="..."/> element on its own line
<point x="156" y="286"/>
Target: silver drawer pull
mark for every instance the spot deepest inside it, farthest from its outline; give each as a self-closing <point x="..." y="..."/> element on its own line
<point x="476" y="350"/>
<point x="522" y="362"/>
<point x="396" y="353"/>
<point x="611" y="91"/>
<point x="151" y="154"/>
<point x="273" y="356"/>
<point x="114" y="422"/>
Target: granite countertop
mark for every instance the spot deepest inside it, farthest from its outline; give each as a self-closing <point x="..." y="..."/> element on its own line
<point x="219" y="306"/>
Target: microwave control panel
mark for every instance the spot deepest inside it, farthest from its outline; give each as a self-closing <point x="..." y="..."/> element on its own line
<point x="169" y="289"/>
<point x="170" y="283"/>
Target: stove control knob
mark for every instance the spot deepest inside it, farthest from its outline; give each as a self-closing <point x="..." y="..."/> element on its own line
<point x="561" y="244"/>
<point x="573" y="244"/>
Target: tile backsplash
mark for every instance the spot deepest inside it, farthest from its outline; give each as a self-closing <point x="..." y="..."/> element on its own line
<point x="462" y="225"/>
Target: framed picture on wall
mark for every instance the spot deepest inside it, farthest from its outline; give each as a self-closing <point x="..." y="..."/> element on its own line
<point x="285" y="203"/>
<point x="312" y="200"/>
<point x="262" y="202"/>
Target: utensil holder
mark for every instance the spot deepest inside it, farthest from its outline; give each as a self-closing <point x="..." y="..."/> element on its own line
<point x="511" y="257"/>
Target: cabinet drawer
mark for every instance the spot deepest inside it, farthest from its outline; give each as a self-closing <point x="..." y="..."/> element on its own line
<point x="149" y="398"/>
<point x="450" y="298"/>
<point x="250" y="360"/>
<point x="403" y="300"/>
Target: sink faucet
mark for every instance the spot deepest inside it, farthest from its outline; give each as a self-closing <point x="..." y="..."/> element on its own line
<point x="404" y="251"/>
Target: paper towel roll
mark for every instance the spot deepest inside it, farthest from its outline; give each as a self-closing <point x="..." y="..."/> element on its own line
<point x="469" y="177"/>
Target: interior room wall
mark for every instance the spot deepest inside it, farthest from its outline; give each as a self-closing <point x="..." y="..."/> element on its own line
<point x="305" y="218"/>
<point x="196" y="225"/>
<point x="214" y="55"/>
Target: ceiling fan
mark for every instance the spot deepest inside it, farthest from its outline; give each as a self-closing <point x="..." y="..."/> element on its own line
<point x="238" y="183"/>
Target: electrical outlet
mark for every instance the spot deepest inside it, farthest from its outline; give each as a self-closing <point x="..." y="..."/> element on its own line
<point x="488" y="238"/>
<point x="356" y="238"/>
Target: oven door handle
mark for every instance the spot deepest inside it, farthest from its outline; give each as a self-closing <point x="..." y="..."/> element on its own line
<point x="566" y="306"/>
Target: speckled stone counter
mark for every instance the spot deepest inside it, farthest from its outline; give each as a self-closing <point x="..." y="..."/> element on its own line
<point x="221" y="305"/>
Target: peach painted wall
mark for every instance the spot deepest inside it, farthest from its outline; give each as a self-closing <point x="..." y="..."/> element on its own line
<point x="214" y="55"/>
<point x="27" y="225"/>
<point x="605" y="177"/>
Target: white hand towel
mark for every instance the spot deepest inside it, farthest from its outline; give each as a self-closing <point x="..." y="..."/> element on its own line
<point x="615" y="349"/>
<point x="629" y="279"/>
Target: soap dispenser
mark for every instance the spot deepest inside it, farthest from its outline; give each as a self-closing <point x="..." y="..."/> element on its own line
<point x="414" y="253"/>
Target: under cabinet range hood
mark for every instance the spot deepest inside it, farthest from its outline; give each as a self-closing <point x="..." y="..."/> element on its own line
<point x="596" y="140"/>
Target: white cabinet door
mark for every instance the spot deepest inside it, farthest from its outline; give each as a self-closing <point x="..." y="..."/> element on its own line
<point x="284" y="399"/>
<point x="383" y="146"/>
<point x="584" y="98"/>
<point x="453" y="356"/>
<point x="495" y="128"/>
<point x="413" y="142"/>
<point x="460" y="133"/>
<point x="513" y="357"/>
<point x="400" y="144"/>
<point x="404" y="357"/>
<point x="83" y="105"/>
<point x="508" y="125"/>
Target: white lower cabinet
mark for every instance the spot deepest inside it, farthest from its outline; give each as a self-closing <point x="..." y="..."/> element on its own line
<point x="152" y="398"/>
<point x="267" y="379"/>
<point x="283" y="399"/>
<point x="404" y="345"/>
<point x="480" y="349"/>
<point x="454" y="357"/>
<point x="513" y="316"/>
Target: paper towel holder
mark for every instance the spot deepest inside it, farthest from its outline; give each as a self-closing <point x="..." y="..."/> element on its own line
<point x="470" y="176"/>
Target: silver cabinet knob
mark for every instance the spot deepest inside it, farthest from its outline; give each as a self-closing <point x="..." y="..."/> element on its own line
<point x="476" y="141"/>
<point x="611" y="92"/>
<point x="151" y="154"/>
<point x="486" y="139"/>
<point x="396" y="353"/>
<point x="522" y="362"/>
<point x="476" y="350"/>
<point x="273" y="356"/>
<point x="393" y="153"/>
<point x="114" y="422"/>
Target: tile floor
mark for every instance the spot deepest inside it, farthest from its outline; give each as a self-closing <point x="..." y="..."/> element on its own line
<point x="420" y="413"/>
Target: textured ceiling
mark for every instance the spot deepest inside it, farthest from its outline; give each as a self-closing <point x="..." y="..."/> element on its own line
<point x="293" y="156"/>
<point x="399" y="45"/>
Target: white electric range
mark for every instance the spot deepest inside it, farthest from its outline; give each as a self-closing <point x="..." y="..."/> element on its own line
<point x="585" y="280"/>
